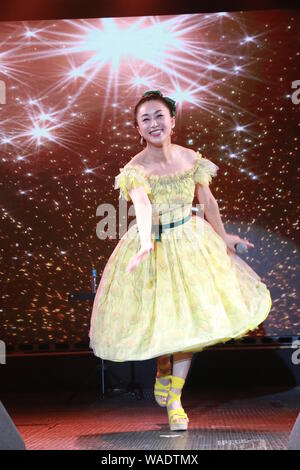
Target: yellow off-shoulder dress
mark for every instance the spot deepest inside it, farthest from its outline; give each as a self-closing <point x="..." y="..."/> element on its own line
<point x="188" y="293"/>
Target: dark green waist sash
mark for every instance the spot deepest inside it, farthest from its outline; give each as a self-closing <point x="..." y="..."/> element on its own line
<point x="158" y="229"/>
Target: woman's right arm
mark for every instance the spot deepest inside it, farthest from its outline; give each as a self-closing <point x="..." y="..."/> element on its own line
<point x="143" y="211"/>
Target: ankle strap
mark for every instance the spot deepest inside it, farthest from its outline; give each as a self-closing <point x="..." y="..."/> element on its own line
<point x="177" y="382"/>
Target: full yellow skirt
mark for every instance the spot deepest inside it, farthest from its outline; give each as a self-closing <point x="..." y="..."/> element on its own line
<point x="186" y="295"/>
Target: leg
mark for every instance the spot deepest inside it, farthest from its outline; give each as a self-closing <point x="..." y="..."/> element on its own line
<point x="182" y="362"/>
<point x="162" y="382"/>
<point x="181" y="365"/>
<point x="163" y="366"/>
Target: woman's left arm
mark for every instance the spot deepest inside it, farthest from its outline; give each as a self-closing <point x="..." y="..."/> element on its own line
<point x="212" y="213"/>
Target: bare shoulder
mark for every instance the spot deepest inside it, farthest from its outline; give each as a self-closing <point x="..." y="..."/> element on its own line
<point x="138" y="159"/>
<point x="190" y="154"/>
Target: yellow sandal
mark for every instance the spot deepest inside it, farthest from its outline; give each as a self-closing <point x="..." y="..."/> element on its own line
<point x="173" y="415"/>
<point x="161" y="390"/>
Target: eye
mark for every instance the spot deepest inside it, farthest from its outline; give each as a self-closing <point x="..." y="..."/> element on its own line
<point x="146" y="119"/>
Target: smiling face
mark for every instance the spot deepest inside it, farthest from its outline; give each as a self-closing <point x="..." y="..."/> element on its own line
<point x="155" y="115"/>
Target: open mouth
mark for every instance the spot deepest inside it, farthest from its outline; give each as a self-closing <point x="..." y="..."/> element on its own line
<point x="156" y="133"/>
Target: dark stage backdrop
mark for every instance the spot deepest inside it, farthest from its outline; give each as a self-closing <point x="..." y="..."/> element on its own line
<point x="68" y="89"/>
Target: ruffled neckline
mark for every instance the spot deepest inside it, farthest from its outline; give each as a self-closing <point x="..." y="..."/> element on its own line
<point x="176" y="175"/>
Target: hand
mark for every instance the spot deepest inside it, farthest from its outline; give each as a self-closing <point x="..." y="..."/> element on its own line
<point x="139" y="257"/>
<point x="231" y="240"/>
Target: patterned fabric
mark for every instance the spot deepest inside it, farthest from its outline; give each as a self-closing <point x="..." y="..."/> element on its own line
<point x="188" y="293"/>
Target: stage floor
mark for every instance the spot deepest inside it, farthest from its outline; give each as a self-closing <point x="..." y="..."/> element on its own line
<point x="221" y="419"/>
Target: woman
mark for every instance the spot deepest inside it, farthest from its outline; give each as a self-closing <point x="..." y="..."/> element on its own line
<point x="173" y="284"/>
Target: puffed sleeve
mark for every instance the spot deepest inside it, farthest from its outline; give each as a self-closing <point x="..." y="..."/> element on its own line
<point x="205" y="170"/>
<point x="129" y="178"/>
